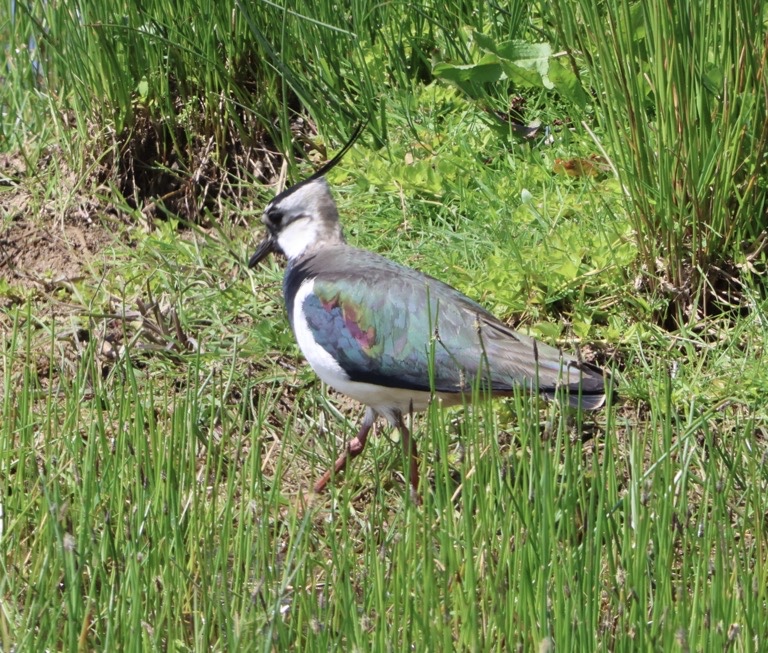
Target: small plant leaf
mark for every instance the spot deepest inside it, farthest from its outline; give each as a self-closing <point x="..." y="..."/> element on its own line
<point x="143" y="89"/>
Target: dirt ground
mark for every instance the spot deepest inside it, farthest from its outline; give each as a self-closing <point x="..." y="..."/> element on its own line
<point x="41" y="257"/>
<point x="42" y="248"/>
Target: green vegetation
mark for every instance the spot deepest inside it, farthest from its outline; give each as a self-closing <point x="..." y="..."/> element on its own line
<point x="681" y="91"/>
<point x="159" y="432"/>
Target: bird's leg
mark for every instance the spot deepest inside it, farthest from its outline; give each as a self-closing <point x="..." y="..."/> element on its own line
<point x="352" y="449"/>
<point x="409" y="448"/>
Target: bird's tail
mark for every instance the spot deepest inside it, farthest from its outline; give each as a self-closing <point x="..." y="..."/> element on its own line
<point x="586" y="390"/>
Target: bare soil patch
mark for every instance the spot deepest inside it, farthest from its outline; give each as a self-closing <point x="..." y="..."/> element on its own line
<point x="43" y="256"/>
<point x="47" y="244"/>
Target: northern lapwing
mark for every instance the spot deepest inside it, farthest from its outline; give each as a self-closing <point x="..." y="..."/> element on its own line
<point x="393" y="338"/>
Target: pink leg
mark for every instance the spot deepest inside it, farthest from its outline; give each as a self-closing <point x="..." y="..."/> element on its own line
<point x="353" y="449"/>
<point x="409" y="448"/>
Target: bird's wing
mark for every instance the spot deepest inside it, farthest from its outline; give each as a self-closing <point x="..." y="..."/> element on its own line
<point x="393" y="326"/>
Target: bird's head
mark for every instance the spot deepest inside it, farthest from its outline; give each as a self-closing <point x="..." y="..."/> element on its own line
<point x="303" y="216"/>
<point x="299" y="219"/>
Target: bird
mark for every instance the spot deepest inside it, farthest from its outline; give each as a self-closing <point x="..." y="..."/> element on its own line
<point x="395" y="339"/>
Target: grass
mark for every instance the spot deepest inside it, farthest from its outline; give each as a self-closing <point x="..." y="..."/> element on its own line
<point x="159" y="432"/>
<point x="156" y="511"/>
<point x="154" y="500"/>
<point x="677" y="95"/>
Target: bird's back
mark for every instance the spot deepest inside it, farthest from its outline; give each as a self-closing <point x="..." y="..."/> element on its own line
<point x="392" y="326"/>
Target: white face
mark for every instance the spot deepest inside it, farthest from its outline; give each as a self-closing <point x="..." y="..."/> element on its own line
<point x="297" y="236"/>
<point x="297" y="219"/>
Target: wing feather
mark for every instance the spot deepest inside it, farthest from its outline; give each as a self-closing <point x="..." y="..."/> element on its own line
<point x="393" y="326"/>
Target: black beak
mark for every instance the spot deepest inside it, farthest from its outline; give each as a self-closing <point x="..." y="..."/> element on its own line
<point x="267" y="246"/>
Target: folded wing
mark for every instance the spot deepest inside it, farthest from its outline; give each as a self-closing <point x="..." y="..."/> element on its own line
<point x="396" y="327"/>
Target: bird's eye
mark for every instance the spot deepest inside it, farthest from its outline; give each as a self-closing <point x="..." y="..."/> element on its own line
<point x="275" y="217"/>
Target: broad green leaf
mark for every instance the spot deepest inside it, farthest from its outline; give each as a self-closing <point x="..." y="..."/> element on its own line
<point x="470" y="78"/>
<point x="526" y="64"/>
<point x="523" y="76"/>
<point x="534" y="56"/>
<point x="567" y="83"/>
<point x="485" y="42"/>
<point x="488" y="69"/>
